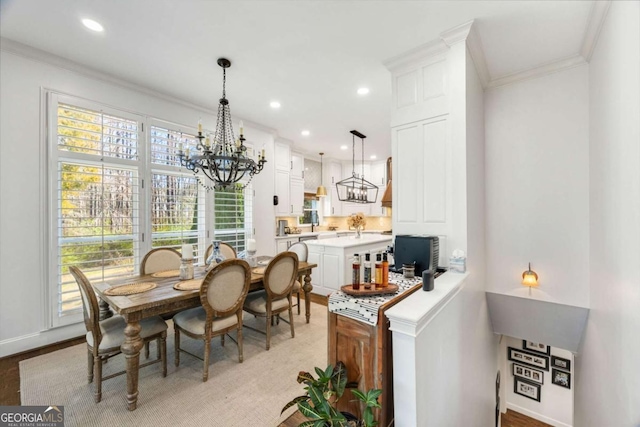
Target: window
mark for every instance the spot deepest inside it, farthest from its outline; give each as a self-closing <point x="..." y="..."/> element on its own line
<point x="96" y="198"/>
<point x="177" y="202"/>
<point x="309" y="210"/>
<point x="118" y="190"/>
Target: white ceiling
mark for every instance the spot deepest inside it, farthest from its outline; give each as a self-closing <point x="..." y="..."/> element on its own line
<point x="309" y="55"/>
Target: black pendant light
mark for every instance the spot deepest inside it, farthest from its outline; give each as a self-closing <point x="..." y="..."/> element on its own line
<point x="356" y="189"/>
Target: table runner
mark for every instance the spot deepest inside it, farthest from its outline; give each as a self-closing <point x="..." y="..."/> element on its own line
<point x="365" y="309"/>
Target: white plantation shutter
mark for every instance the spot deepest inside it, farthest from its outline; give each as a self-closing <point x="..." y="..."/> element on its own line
<point x="177" y="203"/>
<point x="95" y="197"/>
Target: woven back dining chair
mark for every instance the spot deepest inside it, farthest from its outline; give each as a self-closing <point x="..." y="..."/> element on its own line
<point x="104" y="337"/>
<point x="222" y="294"/>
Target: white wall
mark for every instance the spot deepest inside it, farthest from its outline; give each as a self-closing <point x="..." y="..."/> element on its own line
<point x="608" y="368"/>
<point x="537" y="186"/>
<point x="556" y="402"/>
<point x="23" y="248"/>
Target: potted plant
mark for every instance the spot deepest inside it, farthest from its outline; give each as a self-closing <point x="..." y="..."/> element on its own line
<point x="318" y="404"/>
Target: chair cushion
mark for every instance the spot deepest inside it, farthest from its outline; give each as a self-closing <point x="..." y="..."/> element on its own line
<point x="296" y="286"/>
<point x="193" y="321"/>
<point x="113" y="331"/>
<point x="257" y="302"/>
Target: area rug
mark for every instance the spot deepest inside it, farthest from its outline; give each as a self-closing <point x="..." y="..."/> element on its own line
<point x="251" y="393"/>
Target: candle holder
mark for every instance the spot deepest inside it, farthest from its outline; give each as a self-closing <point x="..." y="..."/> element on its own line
<point x="186" y="269"/>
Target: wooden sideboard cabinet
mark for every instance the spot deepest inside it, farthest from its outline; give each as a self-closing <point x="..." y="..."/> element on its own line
<point x="366" y="351"/>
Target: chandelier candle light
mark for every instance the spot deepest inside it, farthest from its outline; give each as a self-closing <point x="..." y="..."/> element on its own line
<point x="356" y="189"/>
<point x="224" y="161"/>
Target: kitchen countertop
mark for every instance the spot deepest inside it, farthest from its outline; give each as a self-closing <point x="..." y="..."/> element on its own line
<point x="317" y="233"/>
<point x="350" y="241"/>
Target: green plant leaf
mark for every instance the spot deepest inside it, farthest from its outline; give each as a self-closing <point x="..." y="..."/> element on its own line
<point x="294" y="402"/>
<point x="305" y="377"/>
<point x="309" y="412"/>
<point x="329" y="371"/>
<point x="368" y="419"/>
<point x="339" y="379"/>
<point x="318" y="400"/>
<point x="359" y="395"/>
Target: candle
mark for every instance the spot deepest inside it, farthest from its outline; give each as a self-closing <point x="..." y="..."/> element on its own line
<point x="263" y="153"/>
<point x="200" y="126"/>
<point x="251" y="245"/>
<point x="241" y="127"/>
<point x="187" y="251"/>
<point x="180" y="147"/>
<point x="207" y="142"/>
<point x="238" y="143"/>
<point x="188" y="150"/>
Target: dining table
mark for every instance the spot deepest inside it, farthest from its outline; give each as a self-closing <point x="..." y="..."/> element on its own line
<point x="162" y="300"/>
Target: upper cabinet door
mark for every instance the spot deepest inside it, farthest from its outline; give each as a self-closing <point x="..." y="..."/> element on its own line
<point x="283" y="207"/>
<point x="297" y="166"/>
<point x="378" y="174"/>
<point x="282" y="157"/>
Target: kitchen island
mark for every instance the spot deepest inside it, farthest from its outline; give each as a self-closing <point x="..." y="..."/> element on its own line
<point x="335" y="256"/>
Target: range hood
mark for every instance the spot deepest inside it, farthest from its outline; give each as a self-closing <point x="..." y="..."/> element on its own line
<point x="386" y="197"/>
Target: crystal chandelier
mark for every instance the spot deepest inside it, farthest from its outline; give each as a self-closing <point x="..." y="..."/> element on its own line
<point x="224" y="161"/>
<point x="356" y="189"/>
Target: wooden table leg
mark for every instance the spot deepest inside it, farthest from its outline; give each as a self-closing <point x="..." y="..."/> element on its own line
<point x="131" y="349"/>
<point x="307" y="287"/>
<point x="105" y="310"/>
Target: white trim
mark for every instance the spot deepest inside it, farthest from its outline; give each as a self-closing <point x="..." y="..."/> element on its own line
<point x="597" y="16"/>
<point x="536" y="415"/>
<point x="418" y="54"/>
<point x="45" y="213"/>
<point x="474" y="45"/>
<point x="411" y="317"/>
<point x="540" y="71"/>
<point x="41" y="339"/>
<point x="42" y="56"/>
<point x="456" y="34"/>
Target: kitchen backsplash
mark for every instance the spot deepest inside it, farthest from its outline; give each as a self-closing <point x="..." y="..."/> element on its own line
<point x="381" y="223"/>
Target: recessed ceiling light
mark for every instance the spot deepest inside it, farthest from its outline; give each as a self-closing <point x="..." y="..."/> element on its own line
<point x="274" y="104"/>
<point x="363" y="91"/>
<point x="305" y="133"/>
<point x="373" y="157"/>
<point x="93" y="25"/>
<point x="343" y="147"/>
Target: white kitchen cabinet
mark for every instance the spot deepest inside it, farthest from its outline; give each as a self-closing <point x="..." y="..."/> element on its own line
<point x="283" y="208"/>
<point x="297" y="166"/>
<point x="334" y="258"/>
<point x="282" y="157"/>
<point x="378" y="172"/>
<point x="334" y="205"/>
<point x="296" y="187"/>
<point x="283" y="245"/>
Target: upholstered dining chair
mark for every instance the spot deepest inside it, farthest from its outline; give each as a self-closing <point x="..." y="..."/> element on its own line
<point x="105" y="337"/>
<point x="278" y="280"/>
<point x="160" y="259"/>
<point x="302" y="251"/>
<point x="222" y="295"/>
<point x="226" y="250"/>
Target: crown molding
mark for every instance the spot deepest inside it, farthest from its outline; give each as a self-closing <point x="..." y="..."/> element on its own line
<point x="34" y="54"/>
<point x="597" y="16"/>
<point x="418" y="54"/>
<point x="542" y="70"/>
<point x="474" y="45"/>
<point x="456" y="34"/>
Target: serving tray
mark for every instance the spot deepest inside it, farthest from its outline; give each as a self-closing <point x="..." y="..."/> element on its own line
<point x="348" y="289"/>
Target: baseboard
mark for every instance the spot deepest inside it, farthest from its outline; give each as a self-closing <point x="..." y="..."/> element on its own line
<point x="536" y="416"/>
<point x="41" y="339"/>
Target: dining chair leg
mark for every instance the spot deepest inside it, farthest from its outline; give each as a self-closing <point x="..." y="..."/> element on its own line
<point x="158" y="350"/>
<point x="222" y="340"/>
<point x="269" y="320"/>
<point x="293" y="334"/>
<point x="97" y="368"/>
<point x="90" y="366"/>
<point x="239" y="339"/>
<point x="162" y="347"/>
<point x="146" y="350"/>
<point x="207" y="350"/>
<point x="176" y="349"/>
<point x="298" y="297"/>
